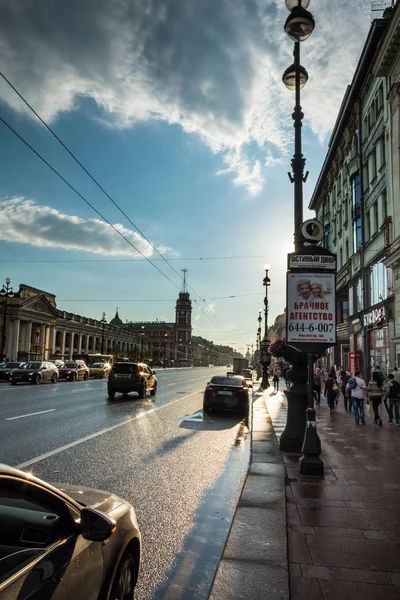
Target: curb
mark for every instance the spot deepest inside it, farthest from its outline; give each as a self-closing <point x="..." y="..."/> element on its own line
<point x="254" y="562"/>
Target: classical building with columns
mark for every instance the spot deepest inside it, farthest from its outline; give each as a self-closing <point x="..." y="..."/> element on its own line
<point x="35" y="329"/>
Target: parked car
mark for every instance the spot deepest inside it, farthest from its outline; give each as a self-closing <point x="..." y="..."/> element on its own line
<point x="62" y="542"/>
<point x="6" y="368"/>
<point x="99" y="370"/>
<point x="128" y="377"/>
<point x="58" y="363"/>
<point x="248" y="375"/>
<point x="226" y="392"/>
<point x="72" y="370"/>
<point x="34" y="372"/>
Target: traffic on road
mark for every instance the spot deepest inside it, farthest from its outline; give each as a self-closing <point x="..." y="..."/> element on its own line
<point x="178" y="470"/>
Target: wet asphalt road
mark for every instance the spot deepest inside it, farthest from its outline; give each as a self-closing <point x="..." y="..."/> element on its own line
<point x="183" y="473"/>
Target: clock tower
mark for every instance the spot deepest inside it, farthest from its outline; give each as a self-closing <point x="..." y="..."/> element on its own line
<point x="183" y="324"/>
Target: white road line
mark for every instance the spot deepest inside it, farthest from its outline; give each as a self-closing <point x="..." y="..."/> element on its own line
<point x="80" y="390"/>
<point x="37" y="459"/>
<point x="30" y="414"/>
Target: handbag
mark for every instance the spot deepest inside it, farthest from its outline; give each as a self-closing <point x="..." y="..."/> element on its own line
<point x="368" y="409"/>
<point x="335" y="387"/>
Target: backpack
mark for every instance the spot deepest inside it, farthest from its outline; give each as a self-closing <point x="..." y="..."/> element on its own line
<point x="352" y="383"/>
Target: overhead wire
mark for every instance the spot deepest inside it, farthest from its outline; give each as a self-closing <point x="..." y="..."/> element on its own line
<point x="101" y="188"/>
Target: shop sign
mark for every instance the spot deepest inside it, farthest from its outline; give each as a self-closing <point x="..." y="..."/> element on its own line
<point x="311" y="311"/>
<point x="375" y="316"/>
<point x="314" y="261"/>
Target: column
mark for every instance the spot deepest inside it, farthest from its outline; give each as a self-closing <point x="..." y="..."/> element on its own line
<point x="42" y="342"/>
<point x="28" y="336"/>
<point x="17" y="325"/>
<point x="53" y="332"/>
<point x="80" y="344"/>
<point x="64" y="333"/>
<point x="9" y="341"/>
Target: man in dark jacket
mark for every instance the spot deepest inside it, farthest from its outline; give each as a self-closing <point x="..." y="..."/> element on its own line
<point x="344" y="376"/>
<point x="392" y="399"/>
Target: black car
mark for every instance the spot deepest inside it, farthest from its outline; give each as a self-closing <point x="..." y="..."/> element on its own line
<point x="128" y="377"/>
<point x="6" y="368"/>
<point x="34" y="372"/>
<point x="227" y="392"/>
<point x="65" y="543"/>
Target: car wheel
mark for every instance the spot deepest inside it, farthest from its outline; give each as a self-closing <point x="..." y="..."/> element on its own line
<point x="13" y="383"/>
<point x="111" y="395"/>
<point x="206" y="409"/>
<point x="154" y="390"/>
<point x="37" y="379"/>
<point x="125" y="579"/>
<point x="86" y="377"/>
<point x="54" y="378"/>
<point x="142" y="393"/>
<point x="73" y="377"/>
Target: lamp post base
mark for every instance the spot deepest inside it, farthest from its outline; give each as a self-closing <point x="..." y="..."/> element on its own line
<point x="311" y="463"/>
<point x="293" y="435"/>
<point x="264" y="381"/>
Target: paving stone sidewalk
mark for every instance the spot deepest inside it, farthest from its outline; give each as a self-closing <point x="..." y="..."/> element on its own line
<point x="344" y="529"/>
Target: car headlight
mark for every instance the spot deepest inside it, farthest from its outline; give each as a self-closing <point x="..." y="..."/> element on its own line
<point x="30" y="374"/>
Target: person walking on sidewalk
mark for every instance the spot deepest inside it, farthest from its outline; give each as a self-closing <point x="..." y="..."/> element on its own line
<point x="375" y="390"/>
<point x="331" y="392"/>
<point x="392" y="399"/>
<point x="344" y="377"/>
<point x="276" y="373"/>
<point x="317" y="385"/>
<point x="356" y="387"/>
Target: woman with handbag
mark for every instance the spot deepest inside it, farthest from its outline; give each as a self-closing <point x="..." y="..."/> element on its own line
<point x="331" y="393"/>
<point x="376" y="389"/>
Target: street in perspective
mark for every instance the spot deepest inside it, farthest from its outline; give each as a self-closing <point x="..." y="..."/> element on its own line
<point x="199" y="350"/>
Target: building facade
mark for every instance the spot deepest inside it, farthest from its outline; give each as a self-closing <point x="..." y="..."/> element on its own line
<point x="35" y="329"/>
<point x="354" y="201"/>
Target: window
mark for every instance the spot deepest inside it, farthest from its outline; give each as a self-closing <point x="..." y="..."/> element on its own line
<point x="376" y="216"/>
<point x="351" y="302"/>
<point x="340" y="265"/>
<point x="356" y="203"/>
<point x="378" y="283"/>
<point x="359" y="295"/>
<point x="328" y="236"/>
<point x="344" y="309"/>
<point x="346" y="245"/>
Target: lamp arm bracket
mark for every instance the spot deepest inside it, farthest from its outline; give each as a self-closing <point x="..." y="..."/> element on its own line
<point x="305" y="177"/>
<point x="291" y="177"/>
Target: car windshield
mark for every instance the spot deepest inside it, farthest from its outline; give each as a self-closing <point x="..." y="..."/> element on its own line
<point x="31" y="365"/>
<point x="225" y="380"/>
<point x="98" y="365"/>
<point x="70" y="365"/>
<point x="125" y="368"/>
<point x="246" y="373"/>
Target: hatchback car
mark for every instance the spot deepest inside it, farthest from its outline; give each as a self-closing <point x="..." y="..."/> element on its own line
<point x="6" y="368"/>
<point x="72" y="370"/>
<point x="248" y="376"/>
<point x="128" y="377"/>
<point x="34" y="372"/>
<point x="226" y="392"/>
<point x="99" y="370"/>
<point x="64" y="542"/>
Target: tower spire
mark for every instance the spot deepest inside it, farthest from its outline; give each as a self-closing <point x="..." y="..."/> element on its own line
<point x="184" y="288"/>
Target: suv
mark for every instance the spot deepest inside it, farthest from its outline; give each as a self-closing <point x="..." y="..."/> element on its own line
<point x="128" y="377"/>
<point x="34" y="372"/>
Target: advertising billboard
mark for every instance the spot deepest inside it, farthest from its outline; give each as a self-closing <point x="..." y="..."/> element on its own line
<point x="311" y="310"/>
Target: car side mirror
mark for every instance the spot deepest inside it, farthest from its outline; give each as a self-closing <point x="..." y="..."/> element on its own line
<point x="95" y="525"/>
<point x="43" y="368"/>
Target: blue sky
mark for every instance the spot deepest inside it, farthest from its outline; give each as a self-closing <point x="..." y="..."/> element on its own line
<point x="178" y="110"/>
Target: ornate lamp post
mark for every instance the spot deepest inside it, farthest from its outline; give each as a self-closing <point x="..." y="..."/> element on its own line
<point x="165" y="349"/>
<point x="259" y="344"/>
<point x="103" y="321"/>
<point x="7" y="292"/>
<point x="265" y="343"/>
<point x="37" y="334"/>
<point x="141" y="342"/>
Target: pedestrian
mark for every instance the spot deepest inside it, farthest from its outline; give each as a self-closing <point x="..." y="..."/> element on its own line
<point x="317" y="385"/>
<point x="285" y="370"/>
<point x="344" y="378"/>
<point x="396" y="374"/>
<point x="376" y="389"/>
<point x="276" y="375"/>
<point x="381" y="373"/>
<point x="332" y="373"/>
<point x="356" y="387"/>
<point x="331" y="393"/>
<point x="392" y="399"/>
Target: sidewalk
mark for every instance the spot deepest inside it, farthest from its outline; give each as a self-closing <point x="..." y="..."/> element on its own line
<point x="344" y="530"/>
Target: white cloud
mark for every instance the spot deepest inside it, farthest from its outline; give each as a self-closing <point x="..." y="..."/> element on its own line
<point x="25" y="222"/>
<point x="213" y="67"/>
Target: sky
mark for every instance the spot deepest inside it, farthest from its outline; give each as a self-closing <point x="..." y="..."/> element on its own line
<point x="178" y="111"/>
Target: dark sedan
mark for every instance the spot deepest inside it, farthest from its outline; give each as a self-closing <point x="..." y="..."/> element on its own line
<point x="34" y="372"/>
<point x="72" y="370"/>
<point x="65" y="542"/>
<point x="6" y="368"/>
<point x="227" y="392"/>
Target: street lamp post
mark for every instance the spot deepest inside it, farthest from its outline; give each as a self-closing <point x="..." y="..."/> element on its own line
<point x="37" y="334"/>
<point x="265" y="343"/>
<point x="103" y="323"/>
<point x="165" y="349"/>
<point x="259" y="344"/>
<point x="7" y="292"/>
<point x="141" y="342"/>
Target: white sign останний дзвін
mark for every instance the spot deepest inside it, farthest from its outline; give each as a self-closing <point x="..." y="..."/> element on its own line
<point x="311" y="315"/>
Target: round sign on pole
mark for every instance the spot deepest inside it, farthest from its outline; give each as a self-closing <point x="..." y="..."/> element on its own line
<point x="312" y="231"/>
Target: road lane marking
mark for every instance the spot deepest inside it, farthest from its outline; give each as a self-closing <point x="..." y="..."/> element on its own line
<point x="37" y="459"/>
<point x="40" y="412"/>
